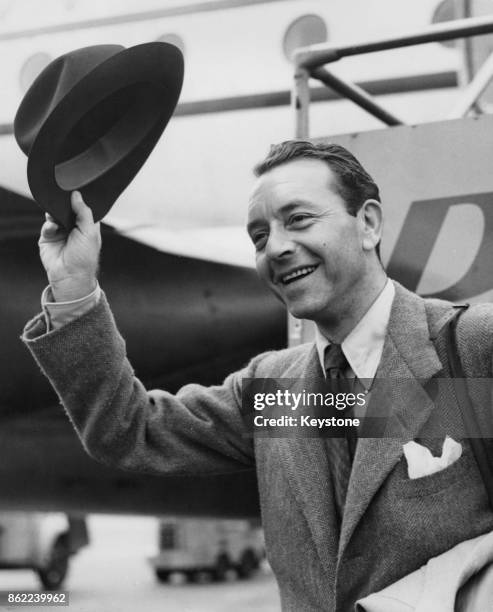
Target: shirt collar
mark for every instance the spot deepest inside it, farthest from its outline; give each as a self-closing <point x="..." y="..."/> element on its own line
<point x="363" y="346"/>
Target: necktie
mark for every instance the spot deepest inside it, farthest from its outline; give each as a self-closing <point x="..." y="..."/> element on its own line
<point x="336" y="366"/>
<point x="339" y="450"/>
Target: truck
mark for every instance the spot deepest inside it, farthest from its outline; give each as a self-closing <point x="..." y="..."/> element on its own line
<point x="41" y="541"/>
<point x="194" y="546"/>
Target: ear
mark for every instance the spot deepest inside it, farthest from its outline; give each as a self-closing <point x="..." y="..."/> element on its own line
<point x="371" y="218"/>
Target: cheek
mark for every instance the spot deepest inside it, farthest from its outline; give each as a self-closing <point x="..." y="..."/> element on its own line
<point x="338" y="259"/>
<point x="262" y="267"/>
<point x="332" y="254"/>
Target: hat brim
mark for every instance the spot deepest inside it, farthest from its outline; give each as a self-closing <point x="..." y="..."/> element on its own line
<point x="145" y="81"/>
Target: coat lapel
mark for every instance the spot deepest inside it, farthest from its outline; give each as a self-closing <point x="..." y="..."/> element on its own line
<point x="305" y="462"/>
<point x="409" y="358"/>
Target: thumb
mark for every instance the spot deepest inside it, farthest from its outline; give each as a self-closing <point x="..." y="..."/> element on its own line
<point x="83" y="214"/>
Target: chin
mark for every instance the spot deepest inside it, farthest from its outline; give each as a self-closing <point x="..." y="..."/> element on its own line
<point x="304" y="311"/>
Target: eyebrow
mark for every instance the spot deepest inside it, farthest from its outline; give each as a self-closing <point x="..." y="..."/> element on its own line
<point x="287" y="208"/>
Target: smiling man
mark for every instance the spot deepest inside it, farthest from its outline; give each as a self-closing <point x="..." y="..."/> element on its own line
<point x="342" y="517"/>
<point x="315" y="220"/>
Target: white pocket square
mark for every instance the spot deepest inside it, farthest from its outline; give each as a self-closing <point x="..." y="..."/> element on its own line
<point x="420" y="461"/>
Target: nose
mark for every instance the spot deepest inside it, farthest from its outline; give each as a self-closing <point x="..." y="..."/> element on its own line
<point x="279" y="244"/>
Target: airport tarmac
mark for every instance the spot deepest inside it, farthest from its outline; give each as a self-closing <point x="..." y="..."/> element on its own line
<point x="113" y="574"/>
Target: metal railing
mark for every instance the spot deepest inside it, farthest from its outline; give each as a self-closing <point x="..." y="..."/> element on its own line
<point x="310" y="63"/>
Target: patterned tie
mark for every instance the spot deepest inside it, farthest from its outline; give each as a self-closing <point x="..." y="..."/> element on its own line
<point x="339" y="450"/>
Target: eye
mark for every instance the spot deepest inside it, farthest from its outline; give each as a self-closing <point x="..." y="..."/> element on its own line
<point x="299" y="219"/>
<point x="259" y="239"/>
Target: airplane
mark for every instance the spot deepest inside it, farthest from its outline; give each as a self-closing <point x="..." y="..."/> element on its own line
<point x="176" y="263"/>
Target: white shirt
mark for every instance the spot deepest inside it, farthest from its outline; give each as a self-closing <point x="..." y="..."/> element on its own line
<point x="58" y="314"/>
<point x="363" y="346"/>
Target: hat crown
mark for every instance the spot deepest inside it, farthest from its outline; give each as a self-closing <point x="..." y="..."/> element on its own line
<point x="52" y="85"/>
<point x="91" y="119"/>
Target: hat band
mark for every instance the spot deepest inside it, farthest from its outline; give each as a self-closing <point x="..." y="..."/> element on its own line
<point x="112" y="146"/>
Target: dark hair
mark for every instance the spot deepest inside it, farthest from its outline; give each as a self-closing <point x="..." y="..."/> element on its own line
<point x="354" y="184"/>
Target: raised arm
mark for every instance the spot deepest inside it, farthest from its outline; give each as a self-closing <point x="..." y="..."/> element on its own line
<point x="200" y="430"/>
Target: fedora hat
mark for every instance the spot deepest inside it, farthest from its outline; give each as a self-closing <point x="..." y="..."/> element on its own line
<point x="90" y="120"/>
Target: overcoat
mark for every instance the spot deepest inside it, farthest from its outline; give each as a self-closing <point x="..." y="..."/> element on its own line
<point x="391" y="525"/>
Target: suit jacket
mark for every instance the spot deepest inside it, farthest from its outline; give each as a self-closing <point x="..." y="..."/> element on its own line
<point x="391" y="525"/>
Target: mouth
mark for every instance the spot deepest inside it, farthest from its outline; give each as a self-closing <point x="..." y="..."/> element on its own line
<point x="295" y="275"/>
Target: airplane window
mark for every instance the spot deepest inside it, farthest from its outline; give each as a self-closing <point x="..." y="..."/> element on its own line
<point x="480" y="47"/>
<point x="306" y="30"/>
<point x="448" y="10"/>
<point x="173" y="39"/>
<point x="31" y="68"/>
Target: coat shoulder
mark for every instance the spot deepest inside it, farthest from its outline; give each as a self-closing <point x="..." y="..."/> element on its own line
<point x="475" y="338"/>
<point x="289" y="362"/>
<point x="438" y="312"/>
<point x="477" y="322"/>
<point x="474" y="332"/>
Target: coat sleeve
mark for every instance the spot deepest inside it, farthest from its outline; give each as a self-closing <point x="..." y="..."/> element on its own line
<point x="199" y="430"/>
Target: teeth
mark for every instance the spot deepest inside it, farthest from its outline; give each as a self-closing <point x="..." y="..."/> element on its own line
<point x="298" y="273"/>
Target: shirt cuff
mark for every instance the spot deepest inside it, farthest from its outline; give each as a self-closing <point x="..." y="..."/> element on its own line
<point x="58" y="314"/>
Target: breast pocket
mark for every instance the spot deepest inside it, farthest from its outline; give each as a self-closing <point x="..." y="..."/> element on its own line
<point x="461" y="474"/>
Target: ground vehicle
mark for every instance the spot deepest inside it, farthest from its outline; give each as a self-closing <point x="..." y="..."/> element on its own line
<point x="41" y="541"/>
<point x="194" y="546"/>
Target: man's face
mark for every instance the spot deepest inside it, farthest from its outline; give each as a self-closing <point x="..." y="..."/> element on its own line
<point x="308" y="247"/>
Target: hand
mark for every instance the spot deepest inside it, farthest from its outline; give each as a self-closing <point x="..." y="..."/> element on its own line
<point x="71" y="257"/>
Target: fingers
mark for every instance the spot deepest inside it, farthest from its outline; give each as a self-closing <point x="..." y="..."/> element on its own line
<point x="51" y="231"/>
<point x="83" y="214"/>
